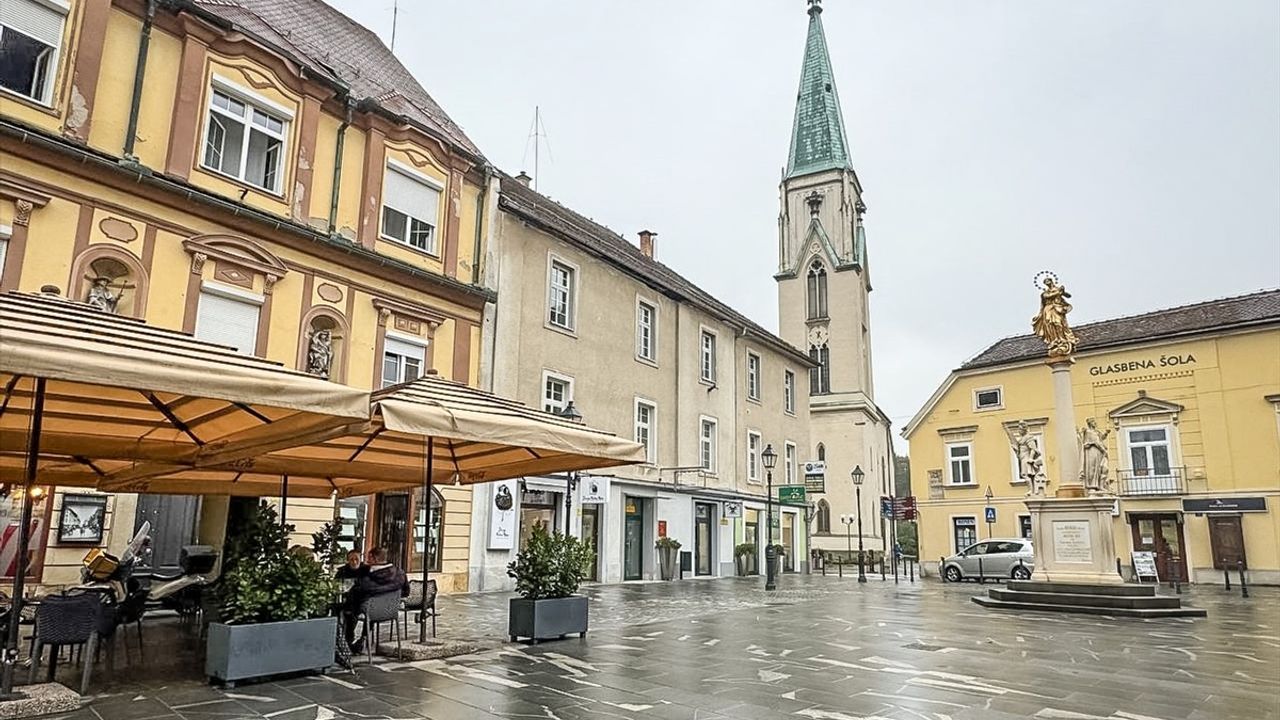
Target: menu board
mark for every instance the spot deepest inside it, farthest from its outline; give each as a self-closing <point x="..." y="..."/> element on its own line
<point x="1144" y="565"/>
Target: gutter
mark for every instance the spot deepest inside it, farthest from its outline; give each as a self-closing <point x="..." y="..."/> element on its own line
<point x="144" y="176"/>
<point x="337" y="165"/>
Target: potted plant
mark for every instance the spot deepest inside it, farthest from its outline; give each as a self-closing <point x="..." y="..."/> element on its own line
<point x="668" y="553"/>
<point x="548" y="570"/>
<point x="744" y="554"/>
<point x="272" y="604"/>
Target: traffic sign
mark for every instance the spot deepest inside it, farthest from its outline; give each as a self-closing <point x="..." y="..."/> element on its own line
<point x="898" y="508"/>
<point x="791" y="494"/>
<point x="991" y="515"/>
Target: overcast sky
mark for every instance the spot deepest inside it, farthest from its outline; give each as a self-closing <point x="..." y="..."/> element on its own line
<point x="1132" y="147"/>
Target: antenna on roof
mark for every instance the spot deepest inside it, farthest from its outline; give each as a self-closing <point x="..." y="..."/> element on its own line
<point x="395" y="18"/>
<point x="537" y="135"/>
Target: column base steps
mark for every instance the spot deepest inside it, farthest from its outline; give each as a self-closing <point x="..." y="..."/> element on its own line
<point x="1136" y="601"/>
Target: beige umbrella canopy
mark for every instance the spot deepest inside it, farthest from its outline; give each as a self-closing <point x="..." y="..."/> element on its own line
<point x="473" y="436"/>
<point x="119" y="393"/>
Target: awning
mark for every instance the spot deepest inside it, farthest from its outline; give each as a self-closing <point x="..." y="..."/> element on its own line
<point x="475" y="437"/>
<point x="119" y="391"/>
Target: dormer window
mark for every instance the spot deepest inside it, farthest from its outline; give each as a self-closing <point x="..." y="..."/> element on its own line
<point x="410" y="206"/>
<point x="30" y="36"/>
<point x="244" y="140"/>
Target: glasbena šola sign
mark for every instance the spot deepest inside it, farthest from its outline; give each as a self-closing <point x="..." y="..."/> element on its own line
<point x="1163" y="361"/>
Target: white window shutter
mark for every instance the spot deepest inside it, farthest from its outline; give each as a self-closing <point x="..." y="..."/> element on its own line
<point x="226" y="321"/>
<point x="33" y="18"/>
<point x="405" y="349"/>
<point x="411" y="196"/>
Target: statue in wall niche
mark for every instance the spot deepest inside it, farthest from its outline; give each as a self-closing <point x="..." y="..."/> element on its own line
<point x="1030" y="460"/>
<point x="1050" y="324"/>
<point x="320" y="353"/>
<point x="1093" y="458"/>
<point x="101" y="297"/>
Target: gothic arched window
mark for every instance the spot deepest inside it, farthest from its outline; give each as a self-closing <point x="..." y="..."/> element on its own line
<point x="817" y="291"/>
<point x="824" y="516"/>
<point x="822" y="452"/>
<point x="820" y="376"/>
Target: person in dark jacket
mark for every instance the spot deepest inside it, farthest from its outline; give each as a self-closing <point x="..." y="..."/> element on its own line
<point x="354" y="568"/>
<point x="381" y="577"/>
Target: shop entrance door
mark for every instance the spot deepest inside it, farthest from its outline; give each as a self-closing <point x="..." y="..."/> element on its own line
<point x="1162" y="534"/>
<point x="633" y="541"/>
<point x="702" y="539"/>
<point x="393" y="525"/>
<point x="1227" y="540"/>
<point x="591" y="536"/>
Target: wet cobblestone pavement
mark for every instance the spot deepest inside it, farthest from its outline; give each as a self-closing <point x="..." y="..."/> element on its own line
<point x="818" y="649"/>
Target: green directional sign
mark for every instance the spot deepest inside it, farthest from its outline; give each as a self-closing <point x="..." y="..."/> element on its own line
<point x="791" y="495"/>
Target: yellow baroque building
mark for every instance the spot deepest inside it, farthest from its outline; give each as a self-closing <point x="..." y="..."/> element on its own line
<point x="1190" y="399"/>
<point x="263" y="174"/>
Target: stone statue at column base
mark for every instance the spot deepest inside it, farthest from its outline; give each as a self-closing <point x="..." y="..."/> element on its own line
<point x="1030" y="460"/>
<point x="1094" y="471"/>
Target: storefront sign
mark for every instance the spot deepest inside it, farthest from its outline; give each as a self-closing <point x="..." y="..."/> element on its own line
<point x="791" y="494"/>
<point x="1230" y="504"/>
<point x="815" y="476"/>
<point x="1071" y="543"/>
<point x="662" y="528"/>
<point x="732" y="509"/>
<point x="1151" y="363"/>
<point x="593" y="490"/>
<point x="502" y="516"/>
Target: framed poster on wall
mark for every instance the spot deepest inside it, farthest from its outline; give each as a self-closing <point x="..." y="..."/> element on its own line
<point x="82" y="519"/>
<point x="502" y="516"/>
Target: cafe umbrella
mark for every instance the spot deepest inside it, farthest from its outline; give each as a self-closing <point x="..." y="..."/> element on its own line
<point x="420" y="433"/>
<point x="87" y="395"/>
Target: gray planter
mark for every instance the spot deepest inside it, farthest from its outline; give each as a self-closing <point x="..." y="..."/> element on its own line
<point x="746" y="564"/>
<point x="549" y="619"/>
<point x="241" y="652"/>
<point x="667" y="562"/>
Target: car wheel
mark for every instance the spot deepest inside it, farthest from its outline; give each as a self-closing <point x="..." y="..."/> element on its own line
<point x="953" y="574"/>
<point x="1021" y="573"/>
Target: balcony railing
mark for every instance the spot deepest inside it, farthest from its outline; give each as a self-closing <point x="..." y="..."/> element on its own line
<point x="1151" y="482"/>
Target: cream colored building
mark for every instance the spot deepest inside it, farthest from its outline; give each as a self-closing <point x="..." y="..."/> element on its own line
<point x="585" y="316"/>
<point x="824" y="284"/>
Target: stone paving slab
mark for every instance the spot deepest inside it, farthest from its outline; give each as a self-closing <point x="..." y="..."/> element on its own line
<point x="818" y="649"/>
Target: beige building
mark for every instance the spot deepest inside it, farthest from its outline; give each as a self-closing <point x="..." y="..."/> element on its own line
<point x="824" y="284"/>
<point x="586" y="317"/>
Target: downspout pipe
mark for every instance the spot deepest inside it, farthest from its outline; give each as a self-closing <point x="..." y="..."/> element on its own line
<point x="337" y="166"/>
<point x="139" y="77"/>
<point x="476" y="260"/>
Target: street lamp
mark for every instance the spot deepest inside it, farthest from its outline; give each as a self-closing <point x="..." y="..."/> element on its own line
<point x="770" y="459"/>
<point x="857" y="476"/>
<point x="571" y="414"/>
<point x="989" y="515"/>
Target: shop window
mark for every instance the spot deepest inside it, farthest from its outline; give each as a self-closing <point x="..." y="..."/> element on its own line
<point x="410" y="208"/>
<point x="960" y="463"/>
<point x="30" y="36"/>
<point x="964" y="532"/>
<point x="228" y="318"/>
<point x="402" y="361"/>
<point x="352" y="518"/>
<point x="428" y="533"/>
<point x="243" y="140"/>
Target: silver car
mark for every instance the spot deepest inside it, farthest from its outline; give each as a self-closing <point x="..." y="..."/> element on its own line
<point x="995" y="558"/>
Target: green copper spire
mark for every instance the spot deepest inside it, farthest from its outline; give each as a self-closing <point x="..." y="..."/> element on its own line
<point x="817" y="137"/>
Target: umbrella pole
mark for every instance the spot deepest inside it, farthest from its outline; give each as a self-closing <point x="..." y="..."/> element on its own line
<point x="284" y="498"/>
<point x="24" y="544"/>
<point x="426" y="538"/>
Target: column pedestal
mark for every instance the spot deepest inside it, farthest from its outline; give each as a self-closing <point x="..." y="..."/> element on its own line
<point x="1073" y="540"/>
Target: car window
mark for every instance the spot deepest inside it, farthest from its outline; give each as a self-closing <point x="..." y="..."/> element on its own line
<point x="1008" y="547"/>
<point x="981" y="548"/>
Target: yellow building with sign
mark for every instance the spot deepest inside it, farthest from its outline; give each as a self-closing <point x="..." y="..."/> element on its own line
<point x="1190" y="400"/>
<point x="264" y="174"/>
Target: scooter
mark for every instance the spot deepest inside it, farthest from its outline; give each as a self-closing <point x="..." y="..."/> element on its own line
<point x="183" y="591"/>
<point x="113" y="577"/>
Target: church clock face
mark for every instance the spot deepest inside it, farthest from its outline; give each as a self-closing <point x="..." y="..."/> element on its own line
<point x="818" y="336"/>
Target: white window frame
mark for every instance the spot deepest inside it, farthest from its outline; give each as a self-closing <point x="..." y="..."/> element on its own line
<point x="755" y="446"/>
<point x="45" y="98"/>
<point x="1038" y="436"/>
<point x="403" y="358"/>
<point x="1169" y="444"/>
<point x="998" y="389"/>
<point x="789" y="391"/>
<point x="6" y="232"/>
<point x="433" y="185"/>
<point x="950" y="461"/>
<point x="649" y="429"/>
<point x="251" y="100"/>
<point x="646" y="354"/>
<point x="707" y="360"/>
<point x="570" y="324"/>
<point x="789" y="462"/>
<point x="708" y="445"/>
<point x="546" y="401"/>
<point x="754" y="367"/>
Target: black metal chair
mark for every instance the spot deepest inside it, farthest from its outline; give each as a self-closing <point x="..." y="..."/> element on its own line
<point x="67" y="620"/>
<point x="376" y="610"/>
<point x="130" y="612"/>
<point x="416" y="602"/>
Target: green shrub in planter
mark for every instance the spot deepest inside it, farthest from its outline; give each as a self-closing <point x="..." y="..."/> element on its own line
<point x="742" y="549"/>
<point x="548" y="571"/>
<point x="744" y="557"/>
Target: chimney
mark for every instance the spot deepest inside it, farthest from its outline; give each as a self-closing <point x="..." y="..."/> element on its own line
<point x="646" y="243"/>
<point x="524" y="179"/>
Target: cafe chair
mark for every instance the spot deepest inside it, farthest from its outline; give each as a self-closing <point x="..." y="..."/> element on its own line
<point x="379" y="609"/>
<point x="67" y="620"/>
<point x="416" y="602"/>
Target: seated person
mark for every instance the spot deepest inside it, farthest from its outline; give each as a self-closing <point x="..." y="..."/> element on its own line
<point x="381" y="577"/>
<point x="353" y="569"/>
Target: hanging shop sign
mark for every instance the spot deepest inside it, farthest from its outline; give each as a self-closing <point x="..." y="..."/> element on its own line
<point x="732" y="509"/>
<point x="593" y="490"/>
<point x="791" y="494"/>
<point x="815" y="476"/>
<point x="502" y="516"/>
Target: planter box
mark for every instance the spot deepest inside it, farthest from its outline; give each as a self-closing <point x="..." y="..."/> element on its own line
<point x="547" y="619"/>
<point x="667" y="562"/>
<point x="240" y="652"/>
<point x="746" y="564"/>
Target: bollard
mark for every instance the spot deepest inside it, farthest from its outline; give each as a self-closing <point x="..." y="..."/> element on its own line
<point x="911" y="570"/>
<point x="941" y="562"/>
<point x="1177" y="579"/>
<point x="1244" y="585"/>
<point x="982" y="578"/>
<point x="1226" y="576"/>
<point x="841" y="566"/>
<point x="1119" y="571"/>
<point x="882" y="567"/>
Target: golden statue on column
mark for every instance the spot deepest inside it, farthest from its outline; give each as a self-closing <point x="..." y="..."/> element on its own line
<point x="1050" y="324"/>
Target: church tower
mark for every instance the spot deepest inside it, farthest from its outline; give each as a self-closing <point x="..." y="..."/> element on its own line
<point x="823" y="287"/>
